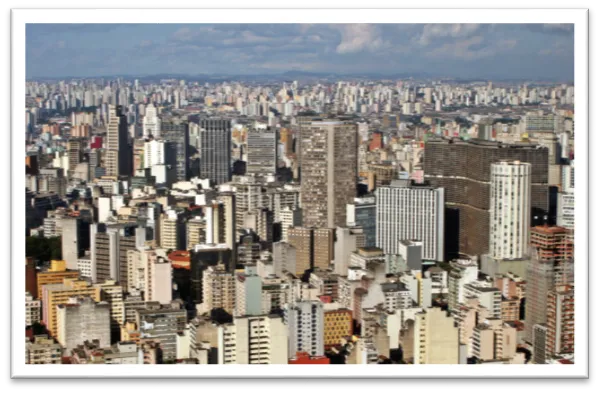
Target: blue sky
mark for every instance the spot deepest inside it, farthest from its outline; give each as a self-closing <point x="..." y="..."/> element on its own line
<point x="458" y="50"/>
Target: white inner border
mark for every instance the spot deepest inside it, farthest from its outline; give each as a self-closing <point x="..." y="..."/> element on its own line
<point x="20" y="17"/>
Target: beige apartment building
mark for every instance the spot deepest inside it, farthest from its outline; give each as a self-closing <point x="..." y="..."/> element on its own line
<point x="329" y="172"/>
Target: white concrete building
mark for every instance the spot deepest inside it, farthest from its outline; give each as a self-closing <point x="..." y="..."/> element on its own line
<point x="510" y="209"/>
<point x="305" y="321"/>
<point x="259" y="339"/>
<point x="411" y="212"/>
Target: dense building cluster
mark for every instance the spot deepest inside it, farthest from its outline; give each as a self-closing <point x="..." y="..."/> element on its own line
<point x="319" y="222"/>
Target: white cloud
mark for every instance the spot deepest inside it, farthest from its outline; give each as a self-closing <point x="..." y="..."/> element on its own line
<point x="432" y="32"/>
<point x="472" y="48"/>
<point x="360" y="37"/>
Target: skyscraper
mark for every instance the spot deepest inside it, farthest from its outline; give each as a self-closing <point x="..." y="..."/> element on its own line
<point x="119" y="152"/>
<point x="463" y="169"/>
<point x="305" y="321"/>
<point x="561" y="321"/>
<point x="262" y="151"/>
<point x="151" y="122"/>
<point x="408" y="211"/>
<point x="177" y="131"/>
<point x="215" y="150"/>
<point x="510" y="202"/>
<point x="329" y="172"/>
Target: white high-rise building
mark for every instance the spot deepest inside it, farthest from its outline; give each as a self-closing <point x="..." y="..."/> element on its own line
<point x="253" y="340"/>
<point x="305" y="320"/>
<point x="154" y="153"/>
<point x="411" y="212"/>
<point x="510" y="209"/>
<point x="151" y="122"/>
<point x="565" y="209"/>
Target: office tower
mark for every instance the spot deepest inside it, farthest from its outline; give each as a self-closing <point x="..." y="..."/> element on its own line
<point x="347" y="240"/>
<point x="540" y="280"/>
<point x="305" y="321"/>
<point x="565" y="208"/>
<point x="560" y="323"/>
<point x="43" y="350"/>
<point x="253" y="340"/>
<point x="464" y="271"/>
<point x="162" y="324"/>
<point x="228" y="201"/>
<point x="329" y="172"/>
<point x="314" y="248"/>
<point x="215" y="150"/>
<point x="248" y="287"/>
<point x="510" y="201"/>
<point x="289" y="218"/>
<point x="494" y="340"/>
<point x="110" y="253"/>
<point x="160" y="157"/>
<point x="303" y="121"/>
<point x="119" y="153"/>
<point x="540" y="333"/>
<point x="196" y="232"/>
<point x="33" y="310"/>
<point x="55" y="294"/>
<point x="177" y="131"/>
<point x="262" y="151"/>
<point x="362" y="213"/>
<point x="82" y="319"/>
<point x="435" y="338"/>
<point x="218" y="288"/>
<point x="172" y="230"/>
<point x="151" y="123"/>
<point x="74" y="234"/>
<point x="55" y="274"/>
<point x="75" y="151"/>
<point x="411" y="212"/>
<point x="463" y="169"/>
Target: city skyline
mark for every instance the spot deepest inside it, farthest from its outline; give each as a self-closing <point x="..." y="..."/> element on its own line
<point x="491" y="51"/>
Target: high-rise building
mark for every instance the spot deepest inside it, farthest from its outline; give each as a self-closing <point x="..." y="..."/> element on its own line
<point x="248" y="287"/>
<point x="219" y="287"/>
<point x="540" y="280"/>
<point x="435" y="338"/>
<point x="329" y="172"/>
<point x="82" y="319"/>
<point x="363" y="213"/>
<point x="305" y="320"/>
<point x="510" y="202"/>
<point x="33" y="310"/>
<point x="262" y="151"/>
<point x="411" y="212"/>
<point x="215" y="150"/>
<point x="55" y="274"/>
<point x="314" y="247"/>
<point x="55" y="294"/>
<point x="464" y="271"/>
<point x="463" y="169"/>
<point x="112" y="293"/>
<point x="151" y="123"/>
<point x="163" y="324"/>
<point x="177" y="131"/>
<point x="259" y="339"/>
<point x="560" y="338"/>
<point x="119" y="152"/>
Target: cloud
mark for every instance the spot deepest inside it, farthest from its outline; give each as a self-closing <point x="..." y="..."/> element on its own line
<point x="553" y="28"/>
<point x="472" y="48"/>
<point x="360" y="37"/>
<point x="432" y="32"/>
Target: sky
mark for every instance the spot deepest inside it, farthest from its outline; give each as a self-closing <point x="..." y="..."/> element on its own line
<point x="502" y="51"/>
